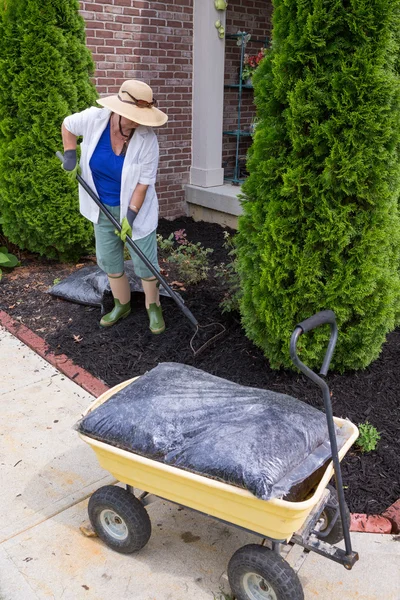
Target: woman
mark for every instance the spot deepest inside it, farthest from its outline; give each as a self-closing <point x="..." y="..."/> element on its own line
<point x="119" y="158"/>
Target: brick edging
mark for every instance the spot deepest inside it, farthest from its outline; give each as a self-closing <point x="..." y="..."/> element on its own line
<point x="363" y="523"/>
<point x="88" y="382"/>
<point x="388" y="522"/>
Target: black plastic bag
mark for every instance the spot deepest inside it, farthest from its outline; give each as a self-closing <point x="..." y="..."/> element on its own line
<point x="257" y="439"/>
<point x="89" y="284"/>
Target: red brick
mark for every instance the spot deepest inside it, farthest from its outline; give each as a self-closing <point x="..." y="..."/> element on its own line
<point x="393" y="514"/>
<point x="106" y="81"/>
<point x="113" y="43"/>
<point x="112" y="26"/>
<point x="88" y="16"/>
<point x="95" y="25"/>
<point x="135" y="27"/>
<point x="93" y="6"/>
<point x="123" y="19"/>
<point x="148" y="12"/>
<point x="114" y="9"/>
<point x="370" y="523"/>
<point x="160" y="23"/>
<point x="105" y="16"/>
<point x="125" y="36"/>
<point x="102" y="33"/>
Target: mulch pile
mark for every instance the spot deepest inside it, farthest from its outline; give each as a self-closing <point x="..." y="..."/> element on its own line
<point x="372" y="481"/>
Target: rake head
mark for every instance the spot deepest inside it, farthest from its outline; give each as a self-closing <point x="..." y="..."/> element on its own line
<point x="205" y="336"/>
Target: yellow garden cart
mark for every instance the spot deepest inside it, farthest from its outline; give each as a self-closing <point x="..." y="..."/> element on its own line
<point x="255" y="572"/>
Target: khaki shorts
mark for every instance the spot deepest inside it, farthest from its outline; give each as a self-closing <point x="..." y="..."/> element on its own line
<point x="110" y="248"/>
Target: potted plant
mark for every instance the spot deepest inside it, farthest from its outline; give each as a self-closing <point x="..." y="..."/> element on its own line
<point x="250" y="64"/>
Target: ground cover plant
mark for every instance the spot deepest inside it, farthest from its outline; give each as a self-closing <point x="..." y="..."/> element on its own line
<point x="114" y="355"/>
<point x="320" y="228"/>
<point x="368" y="438"/>
<point x="45" y="71"/>
<point x="190" y="258"/>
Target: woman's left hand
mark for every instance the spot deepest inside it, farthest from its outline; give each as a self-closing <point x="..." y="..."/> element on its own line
<point x="131" y="216"/>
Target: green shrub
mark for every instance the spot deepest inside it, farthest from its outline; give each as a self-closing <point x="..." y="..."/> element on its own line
<point x="368" y="438"/>
<point x="44" y="76"/>
<point x="320" y="226"/>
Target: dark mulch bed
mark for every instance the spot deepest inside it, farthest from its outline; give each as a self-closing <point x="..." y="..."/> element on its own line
<point x="128" y="349"/>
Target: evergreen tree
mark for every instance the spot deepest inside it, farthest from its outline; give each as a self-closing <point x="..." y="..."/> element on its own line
<point x="320" y="226"/>
<point x="44" y="76"/>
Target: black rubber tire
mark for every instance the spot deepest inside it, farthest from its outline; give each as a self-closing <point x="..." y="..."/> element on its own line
<point x="336" y="535"/>
<point x="267" y="564"/>
<point x="128" y="509"/>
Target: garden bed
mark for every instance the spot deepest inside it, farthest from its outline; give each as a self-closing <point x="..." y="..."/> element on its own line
<point x="128" y="349"/>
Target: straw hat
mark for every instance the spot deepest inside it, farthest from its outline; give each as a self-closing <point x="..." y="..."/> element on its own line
<point x="135" y="102"/>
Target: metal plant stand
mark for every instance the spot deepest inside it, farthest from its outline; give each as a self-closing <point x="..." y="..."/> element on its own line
<point x="242" y="38"/>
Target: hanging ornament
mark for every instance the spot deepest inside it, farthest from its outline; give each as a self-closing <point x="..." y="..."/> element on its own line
<point x="220" y="4"/>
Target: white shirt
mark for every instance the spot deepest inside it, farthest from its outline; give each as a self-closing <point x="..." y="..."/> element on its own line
<point x="140" y="166"/>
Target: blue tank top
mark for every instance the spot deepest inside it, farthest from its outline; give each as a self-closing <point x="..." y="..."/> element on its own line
<point x="106" y="169"/>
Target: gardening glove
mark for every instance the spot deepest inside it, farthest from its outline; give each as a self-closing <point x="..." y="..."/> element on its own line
<point x="125" y="230"/>
<point x="131" y="216"/>
<point x="126" y="225"/>
<point x="70" y="165"/>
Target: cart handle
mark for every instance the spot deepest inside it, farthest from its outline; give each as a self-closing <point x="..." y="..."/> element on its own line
<point x="324" y="317"/>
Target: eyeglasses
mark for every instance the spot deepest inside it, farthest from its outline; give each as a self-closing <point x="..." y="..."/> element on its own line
<point x="136" y="102"/>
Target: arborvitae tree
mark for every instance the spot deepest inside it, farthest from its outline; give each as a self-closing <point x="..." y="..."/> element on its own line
<point x="320" y="227"/>
<point x="44" y="76"/>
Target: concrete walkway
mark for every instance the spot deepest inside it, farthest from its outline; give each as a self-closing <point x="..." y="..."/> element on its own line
<point x="47" y="475"/>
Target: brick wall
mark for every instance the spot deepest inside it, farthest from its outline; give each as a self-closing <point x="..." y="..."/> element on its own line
<point x="152" y="41"/>
<point x="254" y="17"/>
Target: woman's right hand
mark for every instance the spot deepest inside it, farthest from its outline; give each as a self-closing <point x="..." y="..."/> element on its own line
<point x="70" y="164"/>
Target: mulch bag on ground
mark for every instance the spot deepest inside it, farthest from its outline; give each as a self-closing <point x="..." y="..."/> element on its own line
<point x="178" y="415"/>
<point x="89" y="284"/>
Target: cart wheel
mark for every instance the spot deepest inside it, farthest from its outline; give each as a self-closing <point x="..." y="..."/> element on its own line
<point x="119" y="519"/>
<point x="257" y="573"/>
<point x="328" y="514"/>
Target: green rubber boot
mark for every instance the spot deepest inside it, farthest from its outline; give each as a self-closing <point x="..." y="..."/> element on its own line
<point x="157" y="324"/>
<point x="120" y="311"/>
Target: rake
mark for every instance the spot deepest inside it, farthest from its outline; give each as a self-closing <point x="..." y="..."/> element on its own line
<point x="200" y="331"/>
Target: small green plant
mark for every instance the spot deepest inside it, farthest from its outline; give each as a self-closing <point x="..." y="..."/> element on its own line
<point x="7" y="260"/>
<point x="228" y="272"/>
<point x="368" y="438"/>
<point x="166" y="244"/>
<point x="191" y="259"/>
<point x="56" y="280"/>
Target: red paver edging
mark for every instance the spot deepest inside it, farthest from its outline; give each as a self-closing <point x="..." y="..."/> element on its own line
<point x="59" y="361"/>
<point x="370" y="523"/>
<point x="393" y="514"/>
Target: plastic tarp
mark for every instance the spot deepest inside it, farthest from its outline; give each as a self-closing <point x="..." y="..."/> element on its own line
<point x="261" y="440"/>
<point x="89" y="284"/>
